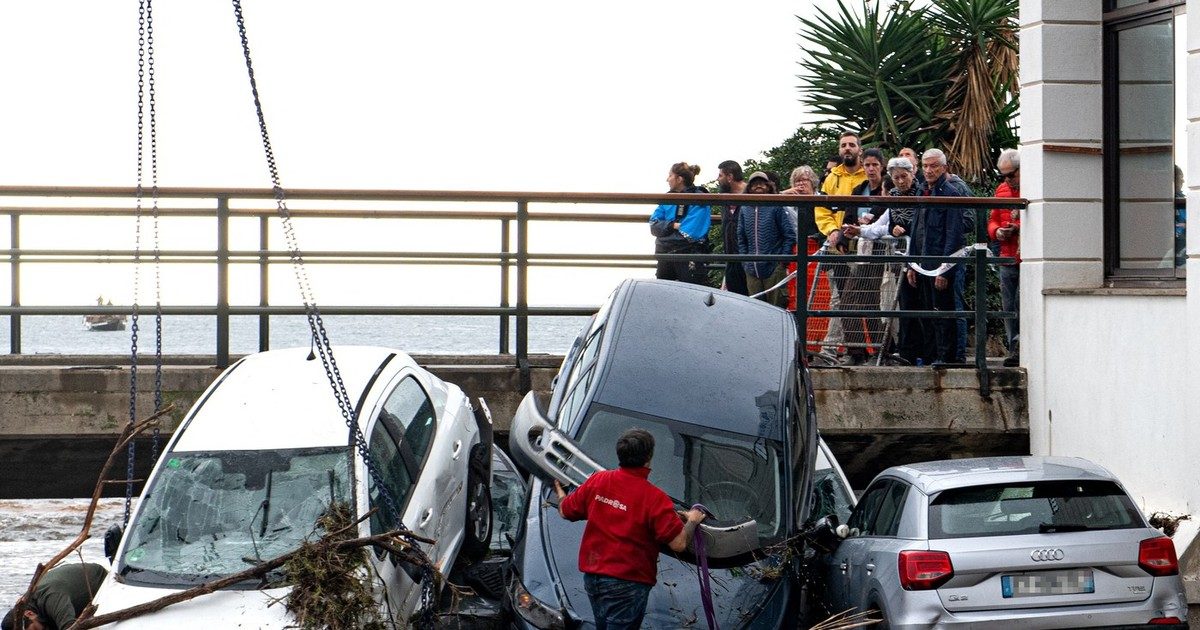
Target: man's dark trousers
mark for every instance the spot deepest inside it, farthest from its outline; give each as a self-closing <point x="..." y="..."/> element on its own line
<point x="616" y="604"/>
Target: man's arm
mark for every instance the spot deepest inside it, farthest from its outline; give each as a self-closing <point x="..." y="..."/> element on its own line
<point x="679" y="542"/>
<point x="568" y="505"/>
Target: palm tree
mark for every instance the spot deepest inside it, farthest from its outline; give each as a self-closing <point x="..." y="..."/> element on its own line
<point x="942" y="75"/>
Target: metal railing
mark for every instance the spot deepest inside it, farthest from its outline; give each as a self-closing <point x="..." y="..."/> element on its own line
<point x="512" y="258"/>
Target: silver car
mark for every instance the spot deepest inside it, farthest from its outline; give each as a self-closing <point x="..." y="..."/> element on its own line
<point x="1030" y="542"/>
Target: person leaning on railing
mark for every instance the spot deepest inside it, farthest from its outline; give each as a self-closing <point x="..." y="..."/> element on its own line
<point x="894" y="221"/>
<point x="681" y="229"/>
<point x="765" y="231"/>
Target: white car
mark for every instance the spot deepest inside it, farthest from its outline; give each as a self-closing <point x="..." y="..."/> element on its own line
<point x="265" y="450"/>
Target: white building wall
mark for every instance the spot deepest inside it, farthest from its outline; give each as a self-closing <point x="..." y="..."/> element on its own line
<point x="1114" y="373"/>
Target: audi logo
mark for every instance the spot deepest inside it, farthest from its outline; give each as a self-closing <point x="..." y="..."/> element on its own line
<point x="1046" y="555"/>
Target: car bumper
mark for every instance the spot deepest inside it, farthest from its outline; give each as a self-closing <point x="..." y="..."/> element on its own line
<point x="923" y="609"/>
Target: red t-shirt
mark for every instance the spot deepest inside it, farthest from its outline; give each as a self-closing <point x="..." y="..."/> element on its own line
<point x="627" y="519"/>
<point x="1010" y="248"/>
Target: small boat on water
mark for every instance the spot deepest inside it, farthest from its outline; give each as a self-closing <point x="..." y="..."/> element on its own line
<point x="104" y="321"/>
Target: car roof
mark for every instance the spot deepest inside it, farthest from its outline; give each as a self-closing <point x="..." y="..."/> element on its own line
<point x="699" y="355"/>
<point x="280" y="399"/>
<point x="936" y="476"/>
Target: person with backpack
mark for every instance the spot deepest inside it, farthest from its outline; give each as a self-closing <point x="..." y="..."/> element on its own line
<point x="681" y="229"/>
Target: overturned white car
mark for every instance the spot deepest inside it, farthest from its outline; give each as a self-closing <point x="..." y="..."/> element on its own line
<point x="265" y="451"/>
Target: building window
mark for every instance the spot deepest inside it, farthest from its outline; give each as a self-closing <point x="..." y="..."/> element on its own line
<point x="1145" y="141"/>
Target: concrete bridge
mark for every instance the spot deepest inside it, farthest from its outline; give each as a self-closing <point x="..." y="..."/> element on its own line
<point x="59" y="415"/>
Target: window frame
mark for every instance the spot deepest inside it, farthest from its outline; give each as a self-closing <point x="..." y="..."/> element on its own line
<point x="1115" y="21"/>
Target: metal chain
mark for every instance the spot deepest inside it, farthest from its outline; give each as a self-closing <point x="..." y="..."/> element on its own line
<point x="317" y="325"/>
<point x="131" y="450"/>
<point x="158" y="365"/>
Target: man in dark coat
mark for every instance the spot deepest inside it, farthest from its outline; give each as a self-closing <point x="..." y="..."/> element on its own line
<point x="61" y="594"/>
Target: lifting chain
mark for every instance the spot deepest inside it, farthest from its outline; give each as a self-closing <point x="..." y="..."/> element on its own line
<point x="146" y="102"/>
<point x="317" y="327"/>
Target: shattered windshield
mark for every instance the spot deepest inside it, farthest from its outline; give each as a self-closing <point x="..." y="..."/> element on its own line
<point x="208" y="515"/>
<point x="737" y="477"/>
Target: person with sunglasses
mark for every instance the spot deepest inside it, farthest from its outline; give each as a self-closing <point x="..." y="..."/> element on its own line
<point x="1004" y="225"/>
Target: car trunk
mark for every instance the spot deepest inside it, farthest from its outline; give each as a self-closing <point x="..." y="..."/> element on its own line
<point x="1040" y="570"/>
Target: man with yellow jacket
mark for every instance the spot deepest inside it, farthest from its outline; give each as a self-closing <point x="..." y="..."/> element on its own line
<point x="841" y="181"/>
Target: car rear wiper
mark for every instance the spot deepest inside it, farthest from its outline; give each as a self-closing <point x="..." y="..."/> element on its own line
<point x="1051" y="527"/>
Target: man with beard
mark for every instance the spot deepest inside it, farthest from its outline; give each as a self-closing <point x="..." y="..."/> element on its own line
<point x="842" y="180"/>
<point x="730" y="180"/>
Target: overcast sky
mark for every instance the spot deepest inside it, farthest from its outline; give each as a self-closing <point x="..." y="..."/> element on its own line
<point x="465" y="95"/>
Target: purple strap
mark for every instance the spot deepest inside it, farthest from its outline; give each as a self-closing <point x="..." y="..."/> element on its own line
<point x="702" y="573"/>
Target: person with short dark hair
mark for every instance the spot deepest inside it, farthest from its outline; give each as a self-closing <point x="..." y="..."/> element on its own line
<point x="681" y="228"/>
<point x="59" y="597"/>
<point x="731" y="180"/>
<point x="628" y="518"/>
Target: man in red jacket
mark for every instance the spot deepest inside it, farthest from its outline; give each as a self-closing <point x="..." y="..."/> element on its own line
<point x="1005" y="226"/>
<point x="627" y="519"/>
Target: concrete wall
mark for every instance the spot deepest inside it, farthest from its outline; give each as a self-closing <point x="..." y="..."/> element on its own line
<point x="1111" y="369"/>
<point x="58" y="423"/>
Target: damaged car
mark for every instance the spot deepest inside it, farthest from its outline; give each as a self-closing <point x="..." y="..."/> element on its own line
<point x="265" y="451"/>
<point x="714" y="377"/>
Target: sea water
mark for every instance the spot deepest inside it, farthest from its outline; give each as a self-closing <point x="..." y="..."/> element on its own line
<point x="34" y="530"/>
<point x="197" y="334"/>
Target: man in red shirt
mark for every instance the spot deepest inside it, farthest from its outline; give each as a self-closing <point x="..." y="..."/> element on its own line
<point x="627" y="519"/>
<point x="1005" y="226"/>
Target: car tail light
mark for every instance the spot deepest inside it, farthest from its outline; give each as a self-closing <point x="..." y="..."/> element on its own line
<point x="924" y="570"/>
<point x="1157" y="556"/>
<point x="1165" y="621"/>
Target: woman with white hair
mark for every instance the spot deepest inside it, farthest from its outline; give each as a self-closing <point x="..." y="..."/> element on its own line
<point x="894" y="220"/>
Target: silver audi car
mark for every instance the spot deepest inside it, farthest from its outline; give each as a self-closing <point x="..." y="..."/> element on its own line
<point x="1028" y="542"/>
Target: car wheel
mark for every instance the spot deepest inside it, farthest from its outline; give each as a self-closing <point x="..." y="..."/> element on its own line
<point x="879" y="618"/>
<point x="479" y="508"/>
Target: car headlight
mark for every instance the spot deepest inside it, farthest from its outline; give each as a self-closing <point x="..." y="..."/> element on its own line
<point x="532" y="609"/>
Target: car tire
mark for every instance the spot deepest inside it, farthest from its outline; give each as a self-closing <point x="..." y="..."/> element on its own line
<point x="879" y="617"/>
<point x="479" y="507"/>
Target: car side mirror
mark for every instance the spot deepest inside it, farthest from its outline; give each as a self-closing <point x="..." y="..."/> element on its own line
<point x="112" y="540"/>
<point x="826" y="532"/>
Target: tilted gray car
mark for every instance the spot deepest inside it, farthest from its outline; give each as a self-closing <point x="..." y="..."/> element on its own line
<point x="1028" y="542"/>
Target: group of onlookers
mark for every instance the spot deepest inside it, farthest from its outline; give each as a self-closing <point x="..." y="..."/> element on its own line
<point x="904" y="227"/>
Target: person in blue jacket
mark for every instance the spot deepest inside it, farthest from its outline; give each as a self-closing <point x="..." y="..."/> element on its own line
<point x="681" y="229"/>
<point x="936" y="231"/>
<point x="765" y="230"/>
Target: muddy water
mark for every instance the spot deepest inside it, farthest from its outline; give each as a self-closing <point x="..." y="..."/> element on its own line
<point x="33" y="531"/>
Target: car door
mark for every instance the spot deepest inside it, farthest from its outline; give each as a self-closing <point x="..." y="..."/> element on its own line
<point x="874" y="569"/>
<point x="401" y="438"/>
<point x="843" y="590"/>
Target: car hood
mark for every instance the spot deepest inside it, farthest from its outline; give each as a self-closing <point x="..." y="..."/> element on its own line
<point x="744" y="596"/>
<point x="221" y="609"/>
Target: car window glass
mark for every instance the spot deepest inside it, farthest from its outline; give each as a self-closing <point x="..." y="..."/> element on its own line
<point x="830" y="494"/>
<point x="396" y="479"/>
<point x="866" y="510"/>
<point x="887" y="520"/>
<point x="207" y="514"/>
<point x="575" y="400"/>
<point x="735" y="476"/>
<point x="411" y="409"/>
<point x="586" y="356"/>
<point x="1031" y="508"/>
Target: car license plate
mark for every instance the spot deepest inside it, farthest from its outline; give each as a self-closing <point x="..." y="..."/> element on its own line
<point x="1071" y="582"/>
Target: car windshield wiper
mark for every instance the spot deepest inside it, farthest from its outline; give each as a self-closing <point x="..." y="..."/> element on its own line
<point x="1051" y="527"/>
